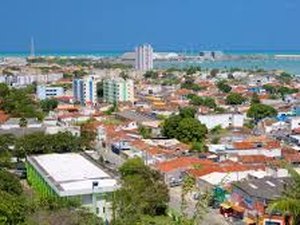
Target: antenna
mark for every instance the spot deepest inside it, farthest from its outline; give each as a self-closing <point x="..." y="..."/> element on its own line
<point x="32" y="50"/>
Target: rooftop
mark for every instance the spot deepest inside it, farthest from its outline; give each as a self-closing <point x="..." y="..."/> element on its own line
<point x="72" y="174"/>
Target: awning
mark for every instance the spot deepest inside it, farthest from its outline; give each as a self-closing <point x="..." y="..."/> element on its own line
<point x="225" y="205"/>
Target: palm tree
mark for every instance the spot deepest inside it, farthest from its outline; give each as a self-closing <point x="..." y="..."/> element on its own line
<point x="23" y="124"/>
<point x="289" y="203"/>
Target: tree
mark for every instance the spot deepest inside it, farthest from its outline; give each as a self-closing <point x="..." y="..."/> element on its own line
<point x="143" y="192"/>
<point x="145" y="132"/>
<point x="234" y="99"/>
<point x="23" y="124"/>
<point x="40" y="143"/>
<point x="151" y="74"/>
<point x="10" y="183"/>
<point x="4" y="90"/>
<point x="190" y="130"/>
<point x="261" y="111"/>
<point x="192" y="70"/>
<point x="255" y="99"/>
<point x="184" y="126"/>
<point x="269" y="88"/>
<point x="290" y="201"/>
<point x="187" y="112"/>
<point x="124" y="75"/>
<point x="6" y="141"/>
<point x="12" y="208"/>
<point x="48" y="105"/>
<point x="285" y="77"/>
<point x="214" y="72"/>
<point x="190" y="85"/>
<point x="204" y="101"/>
<point x="199" y="146"/>
<point x="223" y="86"/>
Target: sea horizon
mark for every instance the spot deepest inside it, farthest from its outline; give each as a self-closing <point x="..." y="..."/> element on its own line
<point x="116" y="53"/>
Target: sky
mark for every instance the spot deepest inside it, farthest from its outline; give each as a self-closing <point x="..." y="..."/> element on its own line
<point x="112" y="25"/>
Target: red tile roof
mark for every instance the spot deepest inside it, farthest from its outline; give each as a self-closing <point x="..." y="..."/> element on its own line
<point x="182" y="163"/>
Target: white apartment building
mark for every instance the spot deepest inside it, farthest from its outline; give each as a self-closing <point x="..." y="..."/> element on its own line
<point x="44" y="92"/>
<point x="118" y="90"/>
<point x="85" y="90"/>
<point x="26" y="79"/>
<point x="144" y="57"/>
<point x="224" y="120"/>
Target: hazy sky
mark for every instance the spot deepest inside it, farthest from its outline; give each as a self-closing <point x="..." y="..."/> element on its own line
<point x="72" y="25"/>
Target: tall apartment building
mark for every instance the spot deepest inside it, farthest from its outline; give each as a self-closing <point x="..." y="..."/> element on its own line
<point x="144" y="57"/>
<point x="85" y="90"/>
<point x="44" y="92"/>
<point x="118" y="90"/>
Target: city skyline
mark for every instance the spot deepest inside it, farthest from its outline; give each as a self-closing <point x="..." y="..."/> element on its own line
<point x="167" y="25"/>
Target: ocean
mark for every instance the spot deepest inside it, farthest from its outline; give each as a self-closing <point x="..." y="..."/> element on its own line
<point x="288" y="65"/>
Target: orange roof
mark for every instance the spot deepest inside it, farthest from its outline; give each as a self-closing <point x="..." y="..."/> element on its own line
<point x="183" y="92"/>
<point x="253" y="141"/>
<point x="222" y="167"/>
<point x="181" y="163"/>
<point x="254" y="159"/>
<point x="3" y="117"/>
<point x="67" y="107"/>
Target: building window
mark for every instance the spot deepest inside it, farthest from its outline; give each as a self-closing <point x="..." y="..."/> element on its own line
<point x="97" y="210"/>
<point x="103" y="209"/>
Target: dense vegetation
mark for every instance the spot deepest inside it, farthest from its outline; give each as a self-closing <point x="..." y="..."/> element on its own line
<point x="202" y="101"/>
<point x="184" y="127"/>
<point x="235" y="99"/>
<point x="143" y="197"/>
<point x="260" y="111"/>
<point x="19" y="103"/>
<point x="223" y="86"/>
<point x="40" y="143"/>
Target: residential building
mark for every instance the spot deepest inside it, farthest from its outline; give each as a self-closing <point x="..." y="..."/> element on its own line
<point x="85" y="90"/>
<point x="254" y="195"/>
<point x="44" y="92"/>
<point x="144" y="57"/>
<point x="223" y="120"/>
<point x="72" y="176"/>
<point x="118" y="90"/>
<point x="21" y="80"/>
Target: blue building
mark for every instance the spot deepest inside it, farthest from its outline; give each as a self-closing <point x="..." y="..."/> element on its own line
<point x="44" y="92"/>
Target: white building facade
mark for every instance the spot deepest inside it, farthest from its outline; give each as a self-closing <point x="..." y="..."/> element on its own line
<point x="223" y="120"/>
<point x="118" y="90"/>
<point x="44" y="92"/>
<point x="72" y="176"/>
<point x="144" y="57"/>
<point x="85" y="90"/>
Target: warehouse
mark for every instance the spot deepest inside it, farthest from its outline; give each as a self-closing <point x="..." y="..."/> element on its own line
<point x="72" y="176"/>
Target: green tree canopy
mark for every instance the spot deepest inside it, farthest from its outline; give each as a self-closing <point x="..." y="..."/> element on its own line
<point x="289" y="203"/>
<point x="151" y="74"/>
<point x="40" y="143"/>
<point x="10" y="183"/>
<point x="184" y="126"/>
<point x="143" y="192"/>
<point x="235" y="99"/>
<point x="223" y="86"/>
<point x="261" y="111"/>
<point x="48" y="105"/>
<point x="255" y="98"/>
<point x="202" y="101"/>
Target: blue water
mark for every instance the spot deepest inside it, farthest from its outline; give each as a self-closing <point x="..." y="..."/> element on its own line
<point x="291" y="66"/>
